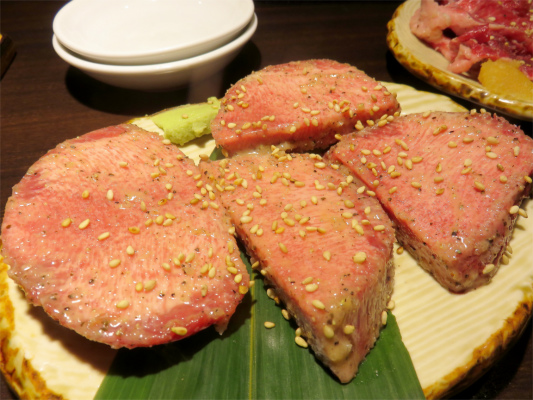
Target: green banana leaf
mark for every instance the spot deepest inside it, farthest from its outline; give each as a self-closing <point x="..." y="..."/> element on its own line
<point x="251" y="362"/>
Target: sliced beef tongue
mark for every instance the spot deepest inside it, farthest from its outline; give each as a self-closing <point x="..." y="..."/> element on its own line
<point x="299" y="105"/>
<point x="116" y="236"/>
<point x="325" y="248"/>
<point x="452" y="183"/>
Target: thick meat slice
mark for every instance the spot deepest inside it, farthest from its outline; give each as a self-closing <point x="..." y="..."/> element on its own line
<point x="468" y="32"/>
<point x="304" y="224"/>
<point x="449" y="181"/>
<point x="106" y="232"/>
<point x="299" y="105"/>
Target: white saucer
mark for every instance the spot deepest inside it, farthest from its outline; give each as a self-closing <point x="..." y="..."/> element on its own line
<point x="160" y="76"/>
<point x="129" y="32"/>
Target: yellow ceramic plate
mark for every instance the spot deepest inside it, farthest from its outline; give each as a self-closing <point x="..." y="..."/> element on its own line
<point x="451" y="338"/>
<point x="431" y="66"/>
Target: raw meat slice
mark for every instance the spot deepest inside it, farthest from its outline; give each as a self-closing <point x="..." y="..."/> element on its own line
<point x="110" y="234"/>
<point x="299" y="105"/>
<point x="468" y="32"/>
<point x="450" y="182"/>
<point x="325" y="249"/>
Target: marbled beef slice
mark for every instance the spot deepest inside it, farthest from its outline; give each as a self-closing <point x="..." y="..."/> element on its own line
<point x="469" y="32"/>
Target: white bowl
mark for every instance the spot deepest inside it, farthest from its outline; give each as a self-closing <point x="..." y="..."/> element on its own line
<point x="149" y="31"/>
<point x="160" y="76"/>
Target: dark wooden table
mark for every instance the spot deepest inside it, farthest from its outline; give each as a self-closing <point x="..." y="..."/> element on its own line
<point x="44" y="101"/>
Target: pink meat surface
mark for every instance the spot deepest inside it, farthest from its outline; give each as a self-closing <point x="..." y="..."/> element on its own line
<point x="135" y="275"/>
<point x="299" y="105"/>
<point x="468" y="32"/>
<point x="304" y="222"/>
<point x="448" y="180"/>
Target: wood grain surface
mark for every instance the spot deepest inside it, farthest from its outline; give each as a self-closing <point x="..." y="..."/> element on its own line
<point x="44" y="101"/>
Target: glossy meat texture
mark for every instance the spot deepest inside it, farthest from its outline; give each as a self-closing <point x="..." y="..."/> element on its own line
<point x="450" y="182"/>
<point x="299" y="105"/>
<point x="107" y="233"/>
<point x="468" y="32"/>
<point x="304" y="223"/>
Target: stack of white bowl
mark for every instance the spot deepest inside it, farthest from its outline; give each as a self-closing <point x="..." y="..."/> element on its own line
<point x="152" y="44"/>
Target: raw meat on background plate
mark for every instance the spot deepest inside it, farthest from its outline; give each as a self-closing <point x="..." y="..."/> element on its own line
<point x="451" y="182"/>
<point x="301" y="105"/>
<point x="325" y="248"/>
<point x="114" y="235"/>
<point x="468" y="32"/>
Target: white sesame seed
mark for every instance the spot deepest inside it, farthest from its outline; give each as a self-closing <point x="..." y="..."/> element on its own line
<point x="179" y="330"/>
<point x="311" y="287"/>
<point x="123" y="304"/>
<point x="384" y="318"/>
<point x="300" y="341"/>
<point x="329" y="333"/>
<point x="149" y="285"/>
<point x="488" y="268"/>
<point x="349" y="329"/>
<point x="307" y="280"/>
<point x="359" y="257"/>
<point x="318" y="304"/>
<point x="246" y="219"/>
<point x="479" y="186"/>
<point x="103" y="236"/>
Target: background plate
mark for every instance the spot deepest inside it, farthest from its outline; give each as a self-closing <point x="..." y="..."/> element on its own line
<point x="431" y="66"/>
